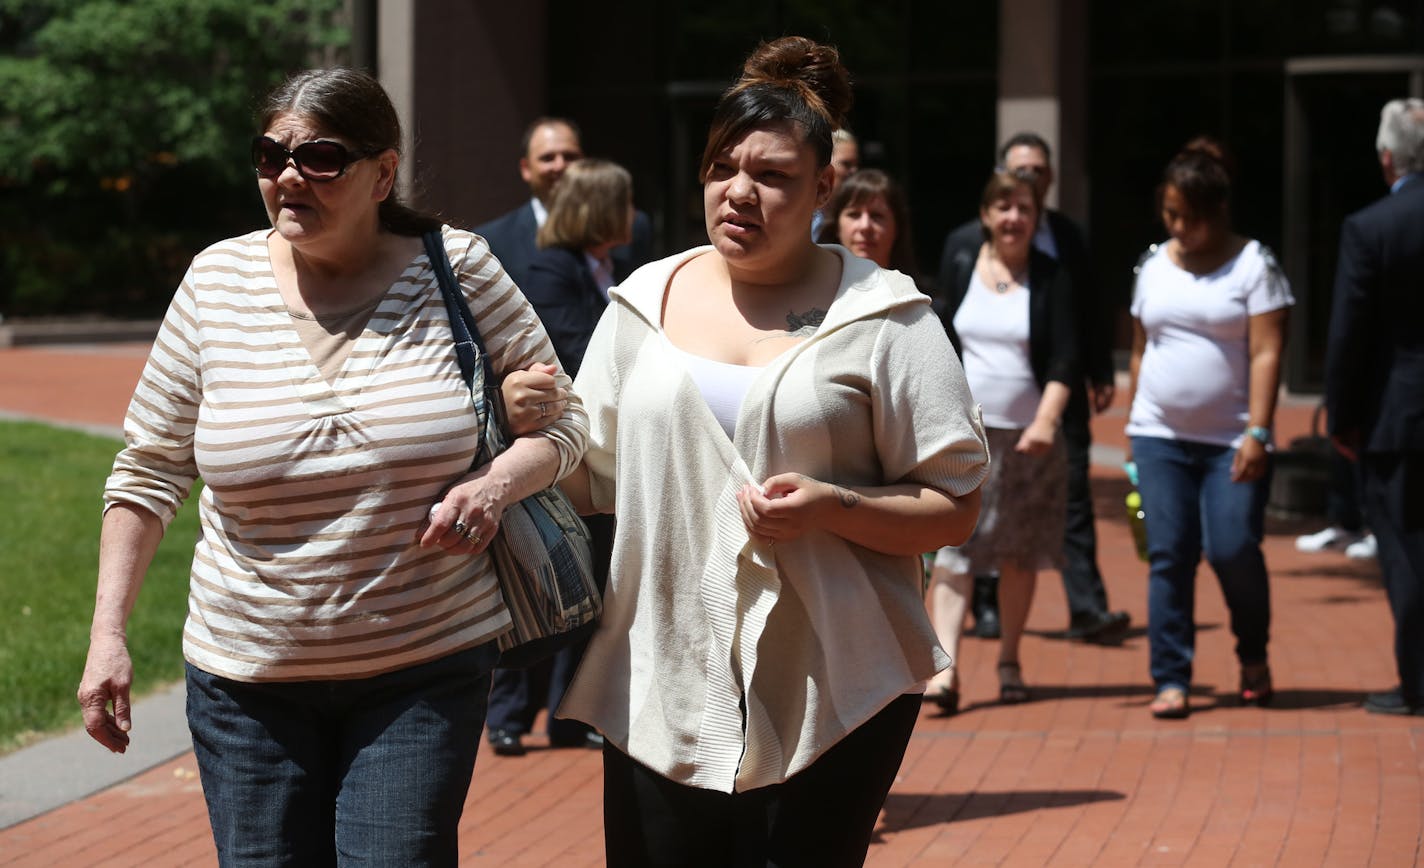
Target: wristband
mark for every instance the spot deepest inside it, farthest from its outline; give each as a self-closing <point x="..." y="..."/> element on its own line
<point x="1261" y="435"/>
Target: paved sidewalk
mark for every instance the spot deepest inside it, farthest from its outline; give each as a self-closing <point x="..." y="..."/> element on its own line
<point x="1081" y="776"/>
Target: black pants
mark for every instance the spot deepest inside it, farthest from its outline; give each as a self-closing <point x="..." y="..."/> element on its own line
<point x="821" y="818"/>
<point x="1393" y="499"/>
<point x="1082" y="583"/>
<point x="1342" y="498"/>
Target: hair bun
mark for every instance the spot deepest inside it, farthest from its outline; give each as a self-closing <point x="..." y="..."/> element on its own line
<point x="1209" y="148"/>
<point x="807" y="66"/>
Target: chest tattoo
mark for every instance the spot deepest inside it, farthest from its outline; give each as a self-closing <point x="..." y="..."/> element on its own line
<point x="803" y="324"/>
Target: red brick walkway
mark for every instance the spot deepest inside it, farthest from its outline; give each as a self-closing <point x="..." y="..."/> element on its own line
<point x="1082" y="776"/>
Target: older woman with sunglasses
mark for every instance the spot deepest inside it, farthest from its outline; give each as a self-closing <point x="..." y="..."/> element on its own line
<point x="342" y="608"/>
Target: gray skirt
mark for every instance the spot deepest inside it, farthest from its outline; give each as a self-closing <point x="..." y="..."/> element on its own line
<point x="1023" y="506"/>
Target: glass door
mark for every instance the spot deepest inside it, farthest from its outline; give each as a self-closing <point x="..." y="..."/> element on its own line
<point x="1331" y="119"/>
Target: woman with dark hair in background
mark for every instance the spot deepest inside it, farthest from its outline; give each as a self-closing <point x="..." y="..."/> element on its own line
<point x="1009" y="311"/>
<point x="342" y="609"/>
<point x="1209" y="319"/>
<point x="868" y="215"/>
<point x="782" y="428"/>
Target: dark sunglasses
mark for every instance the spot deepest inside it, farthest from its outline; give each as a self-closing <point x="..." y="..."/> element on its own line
<point x="315" y="161"/>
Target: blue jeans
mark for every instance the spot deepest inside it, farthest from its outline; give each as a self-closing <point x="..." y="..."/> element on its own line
<point x="317" y="773"/>
<point x="1192" y="506"/>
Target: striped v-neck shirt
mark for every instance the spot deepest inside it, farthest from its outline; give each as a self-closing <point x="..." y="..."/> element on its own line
<point x="315" y="490"/>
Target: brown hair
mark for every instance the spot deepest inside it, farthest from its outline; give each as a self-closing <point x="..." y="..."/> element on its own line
<point x="791" y="79"/>
<point x="1202" y="172"/>
<point x="859" y="188"/>
<point x="1003" y="184"/>
<point x="589" y="206"/>
<point x="351" y="104"/>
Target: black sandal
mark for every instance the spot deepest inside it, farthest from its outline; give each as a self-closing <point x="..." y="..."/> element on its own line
<point x="1011" y="687"/>
<point x="946" y="699"/>
<point x="1256" y="688"/>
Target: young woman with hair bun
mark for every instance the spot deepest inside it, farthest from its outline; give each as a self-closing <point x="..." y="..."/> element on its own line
<point x="782" y="428"/>
<point x="1209" y="320"/>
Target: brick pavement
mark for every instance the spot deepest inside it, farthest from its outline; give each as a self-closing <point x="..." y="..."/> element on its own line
<point x="1081" y="776"/>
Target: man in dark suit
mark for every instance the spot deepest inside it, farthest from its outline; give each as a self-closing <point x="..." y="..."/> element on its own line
<point x="1374" y="383"/>
<point x="1059" y="237"/>
<point x="549" y="145"/>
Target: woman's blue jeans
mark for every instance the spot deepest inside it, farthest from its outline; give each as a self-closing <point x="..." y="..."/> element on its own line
<point x="1192" y="507"/>
<point x="369" y="771"/>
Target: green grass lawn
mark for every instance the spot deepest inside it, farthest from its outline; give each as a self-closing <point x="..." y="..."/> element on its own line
<point x="51" y="498"/>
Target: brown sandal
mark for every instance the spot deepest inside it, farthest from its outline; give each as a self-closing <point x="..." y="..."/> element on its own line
<point x="1170" y="704"/>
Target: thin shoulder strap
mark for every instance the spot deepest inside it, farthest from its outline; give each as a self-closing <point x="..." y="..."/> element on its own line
<point x="470" y="351"/>
<point x="468" y="345"/>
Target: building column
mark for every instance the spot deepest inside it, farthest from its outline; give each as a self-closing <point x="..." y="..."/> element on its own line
<point x="1043" y="88"/>
<point x="466" y="77"/>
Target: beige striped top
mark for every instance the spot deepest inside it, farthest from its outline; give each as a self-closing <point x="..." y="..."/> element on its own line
<point x="307" y="565"/>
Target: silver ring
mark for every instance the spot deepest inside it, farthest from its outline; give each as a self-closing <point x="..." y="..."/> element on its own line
<point x="543" y="409"/>
<point x="460" y="527"/>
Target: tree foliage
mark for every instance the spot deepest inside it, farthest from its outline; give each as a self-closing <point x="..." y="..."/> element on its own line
<point x="124" y="130"/>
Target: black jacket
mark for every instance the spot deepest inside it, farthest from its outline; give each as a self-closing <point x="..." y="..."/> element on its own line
<point x="562" y="289"/>
<point x="1052" y="338"/>
<point x="1374" y="364"/>
<point x="1093" y="317"/>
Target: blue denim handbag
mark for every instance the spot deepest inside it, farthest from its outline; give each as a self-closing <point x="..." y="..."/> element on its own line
<point x="541" y="551"/>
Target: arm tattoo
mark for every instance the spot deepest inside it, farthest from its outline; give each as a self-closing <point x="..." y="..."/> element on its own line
<point x="847" y="497"/>
<point x="798" y="324"/>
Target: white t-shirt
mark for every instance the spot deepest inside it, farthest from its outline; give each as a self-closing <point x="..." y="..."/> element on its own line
<point x="993" y="336"/>
<point x="1193" y="383"/>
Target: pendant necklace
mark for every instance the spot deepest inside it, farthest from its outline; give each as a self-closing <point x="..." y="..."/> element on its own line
<point x="1000" y="285"/>
<point x="1003" y="286"/>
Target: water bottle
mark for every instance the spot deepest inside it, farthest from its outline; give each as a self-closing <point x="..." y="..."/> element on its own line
<point x="1136" y="520"/>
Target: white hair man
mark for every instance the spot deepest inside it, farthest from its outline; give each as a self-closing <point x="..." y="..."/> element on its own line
<point x="1374" y="383"/>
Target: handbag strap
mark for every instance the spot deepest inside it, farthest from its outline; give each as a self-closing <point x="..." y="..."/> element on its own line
<point x="469" y="350"/>
<point x="468" y="344"/>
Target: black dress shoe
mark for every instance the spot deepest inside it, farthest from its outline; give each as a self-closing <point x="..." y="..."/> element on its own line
<point x="984" y="603"/>
<point x="1392" y="702"/>
<point x="591" y="740"/>
<point x="1099" y="626"/>
<point x="576" y="736"/>
<point x="506" y="743"/>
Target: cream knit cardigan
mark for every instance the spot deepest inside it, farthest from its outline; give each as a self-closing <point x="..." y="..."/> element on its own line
<point x="816" y="635"/>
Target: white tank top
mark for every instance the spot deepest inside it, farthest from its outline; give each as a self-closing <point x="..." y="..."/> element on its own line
<point x="993" y="336"/>
<point x="723" y="385"/>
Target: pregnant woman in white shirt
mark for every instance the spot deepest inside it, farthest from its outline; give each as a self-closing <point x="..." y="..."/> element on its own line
<point x="1209" y="314"/>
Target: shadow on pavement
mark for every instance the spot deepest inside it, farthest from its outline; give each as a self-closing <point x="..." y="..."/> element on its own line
<point x="1366" y="572"/>
<point x="916" y="810"/>
<point x="1303" y="698"/>
<point x="1204" y="698"/>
